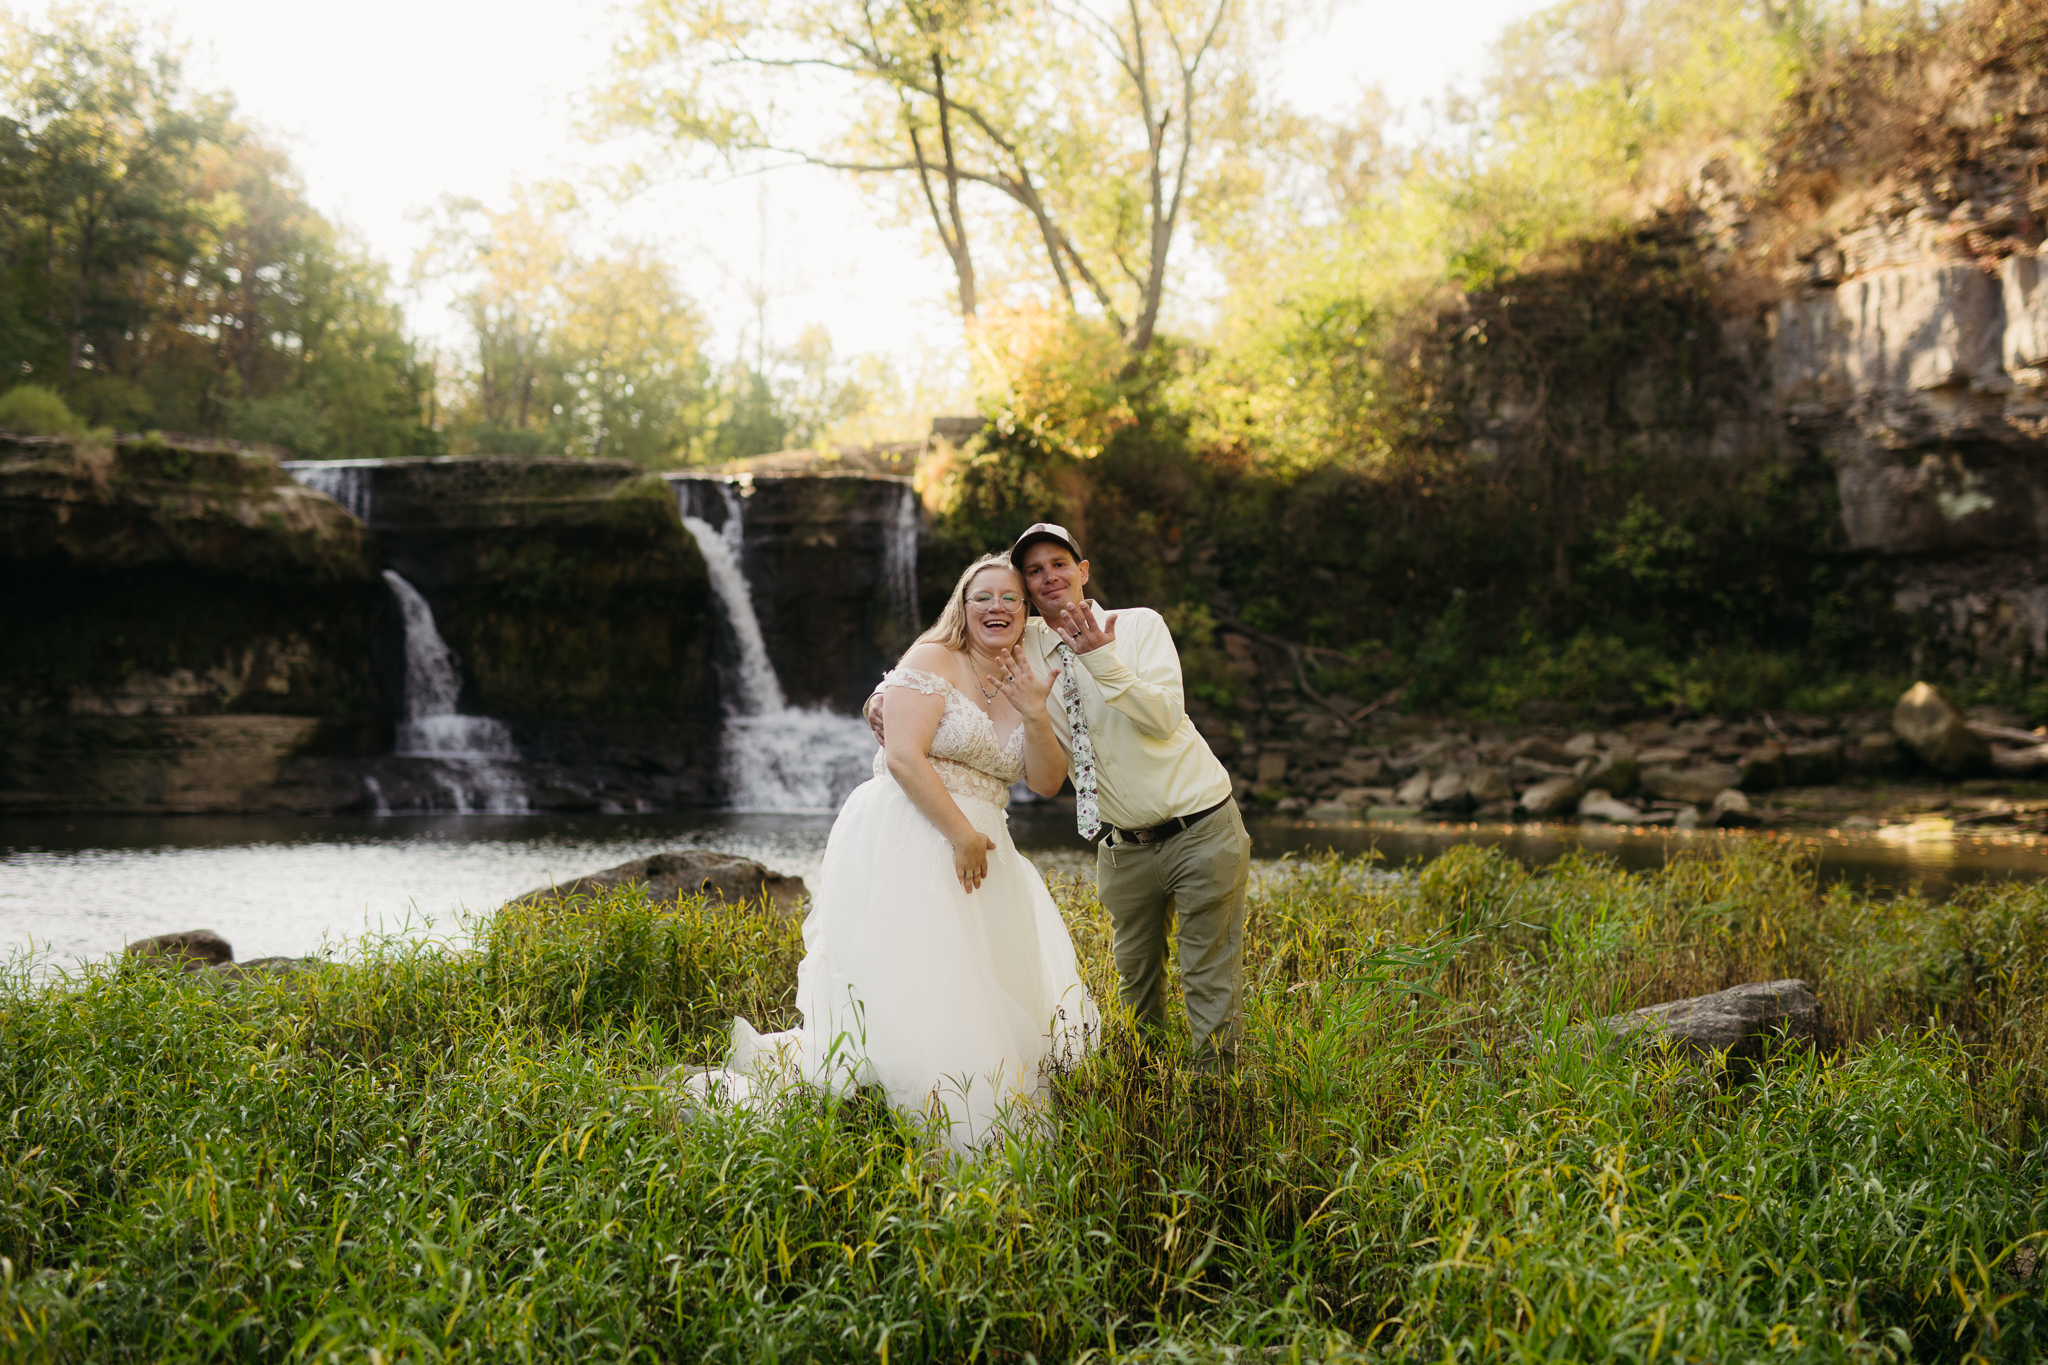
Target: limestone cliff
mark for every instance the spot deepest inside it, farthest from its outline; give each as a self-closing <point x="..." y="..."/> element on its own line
<point x="191" y="628"/>
<point x="568" y="587"/>
<point x="1872" y="310"/>
<point x="181" y="619"/>
<point x="1910" y="348"/>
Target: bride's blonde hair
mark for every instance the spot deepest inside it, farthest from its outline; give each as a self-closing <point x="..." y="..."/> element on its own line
<point x="950" y="629"/>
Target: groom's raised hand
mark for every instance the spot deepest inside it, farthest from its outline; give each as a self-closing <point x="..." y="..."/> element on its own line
<point x="1078" y="627"/>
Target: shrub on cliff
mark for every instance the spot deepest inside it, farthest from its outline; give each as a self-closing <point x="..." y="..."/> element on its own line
<point x="35" y="410"/>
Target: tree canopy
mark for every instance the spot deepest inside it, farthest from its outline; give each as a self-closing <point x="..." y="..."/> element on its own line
<point x="160" y="266"/>
<point x="1071" y="145"/>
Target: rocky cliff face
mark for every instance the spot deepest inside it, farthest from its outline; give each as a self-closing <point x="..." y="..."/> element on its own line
<point x="836" y="605"/>
<point x="567" y="587"/>
<point x="1920" y="378"/>
<point x="1910" y="347"/>
<point x="190" y="628"/>
<point x="182" y="620"/>
<point x="1877" y="309"/>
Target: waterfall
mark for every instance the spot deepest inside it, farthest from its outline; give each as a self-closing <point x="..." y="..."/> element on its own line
<point x="468" y="749"/>
<point x="758" y="692"/>
<point x="899" y="565"/>
<point x="346" y="481"/>
<point x="777" y="757"/>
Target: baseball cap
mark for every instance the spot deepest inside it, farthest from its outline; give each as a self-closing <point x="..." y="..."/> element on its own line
<point x="1045" y="530"/>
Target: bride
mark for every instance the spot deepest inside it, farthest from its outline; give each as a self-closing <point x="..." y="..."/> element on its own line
<point x="935" y="963"/>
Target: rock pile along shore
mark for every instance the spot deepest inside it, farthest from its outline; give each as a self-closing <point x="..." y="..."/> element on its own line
<point x="1295" y="753"/>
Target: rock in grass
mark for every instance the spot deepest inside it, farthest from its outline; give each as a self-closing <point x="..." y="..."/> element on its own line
<point x="1739" y="1020"/>
<point x="685" y="872"/>
<point x="1697" y="786"/>
<point x="1937" y="732"/>
<point x="191" y="951"/>
<point x="257" y="967"/>
<point x="1557" y="796"/>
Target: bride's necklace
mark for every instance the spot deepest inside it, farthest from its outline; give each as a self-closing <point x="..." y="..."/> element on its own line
<point x="988" y="698"/>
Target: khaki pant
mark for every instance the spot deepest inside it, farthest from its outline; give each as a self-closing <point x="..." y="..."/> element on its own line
<point x="1197" y="877"/>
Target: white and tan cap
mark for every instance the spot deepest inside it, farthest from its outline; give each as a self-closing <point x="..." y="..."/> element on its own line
<point x="1045" y="530"/>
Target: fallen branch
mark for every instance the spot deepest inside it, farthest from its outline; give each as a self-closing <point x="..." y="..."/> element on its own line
<point x="2030" y="759"/>
<point x="1295" y="653"/>
<point x="2030" y="738"/>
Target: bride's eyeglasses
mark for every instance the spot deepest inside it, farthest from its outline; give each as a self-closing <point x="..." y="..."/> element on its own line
<point x="1010" y="600"/>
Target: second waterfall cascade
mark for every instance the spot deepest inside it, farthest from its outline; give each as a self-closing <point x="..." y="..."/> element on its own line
<point x="777" y="757"/>
<point x="470" y="750"/>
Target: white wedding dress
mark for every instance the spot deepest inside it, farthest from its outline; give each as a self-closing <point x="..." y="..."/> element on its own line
<point x="951" y="1002"/>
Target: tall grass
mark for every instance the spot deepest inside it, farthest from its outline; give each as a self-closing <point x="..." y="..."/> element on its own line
<point x="430" y="1155"/>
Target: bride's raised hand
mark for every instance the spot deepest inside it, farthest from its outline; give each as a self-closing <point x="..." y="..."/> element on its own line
<point x="970" y="859"/>
<point x="1025" y="689"/>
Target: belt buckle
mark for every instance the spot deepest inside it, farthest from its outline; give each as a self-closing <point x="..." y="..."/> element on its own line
<point x="1145" y="836"/>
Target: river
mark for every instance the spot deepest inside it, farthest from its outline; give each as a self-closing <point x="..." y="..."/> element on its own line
<point x="79" y="887"/>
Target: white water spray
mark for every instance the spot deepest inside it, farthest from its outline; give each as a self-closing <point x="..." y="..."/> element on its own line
<point x="346" y="481"/>
<point x="777" y="758"/>
<point x="470" y="749"/>
<point x="899" y="565"/>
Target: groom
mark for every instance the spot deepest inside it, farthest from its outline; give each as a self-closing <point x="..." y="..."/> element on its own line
<point x="1171" y="845"/>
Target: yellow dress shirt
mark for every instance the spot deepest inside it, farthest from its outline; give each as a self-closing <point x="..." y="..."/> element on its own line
<point x="1151" y="764"/>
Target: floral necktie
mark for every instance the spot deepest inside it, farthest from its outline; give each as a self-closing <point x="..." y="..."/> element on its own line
<point x="1086" y="818"/>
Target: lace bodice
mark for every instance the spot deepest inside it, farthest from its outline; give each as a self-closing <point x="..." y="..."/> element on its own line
<point x="970" y="761"/>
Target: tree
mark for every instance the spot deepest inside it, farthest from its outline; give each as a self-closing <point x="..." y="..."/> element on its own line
<point x="159" y="264"/>
<point x="103" y="132"/>
<point x="1078" y="138"/>
<point x="598" y="354"/>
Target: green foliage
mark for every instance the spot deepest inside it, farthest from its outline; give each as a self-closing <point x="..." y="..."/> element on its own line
<point x="34" y="410"/>
<point x="444" y="1154"/>
<point x="1485" y="416"/>
<point x="1601" y="552"/>
<point x="162" y="268"/>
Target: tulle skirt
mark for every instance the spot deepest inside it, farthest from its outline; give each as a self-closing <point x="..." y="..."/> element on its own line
<point x="952" y="1003"/>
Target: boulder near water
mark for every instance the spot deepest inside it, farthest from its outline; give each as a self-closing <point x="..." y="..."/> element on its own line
<point x="1553" y="797"/>
<point x="1937" y="732"/>
<point x="1698" y="786"/>
<point x="1731" y="810"/>
<point x="722" y="877"/>
<point x="1598" y="804"/>
<point x="194" y="950"/>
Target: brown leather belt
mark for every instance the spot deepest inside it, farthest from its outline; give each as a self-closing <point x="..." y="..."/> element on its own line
<point x="1158" y="834"/>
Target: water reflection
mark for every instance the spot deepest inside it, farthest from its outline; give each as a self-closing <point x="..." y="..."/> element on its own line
<point x="83" y="886"/>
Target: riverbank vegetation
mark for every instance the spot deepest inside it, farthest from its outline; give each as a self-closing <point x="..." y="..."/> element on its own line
<point x="441" y="1154"/>
<point x="1490" y="417"/>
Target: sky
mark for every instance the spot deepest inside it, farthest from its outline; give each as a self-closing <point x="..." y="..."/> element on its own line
<point x="386" y="106"/>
